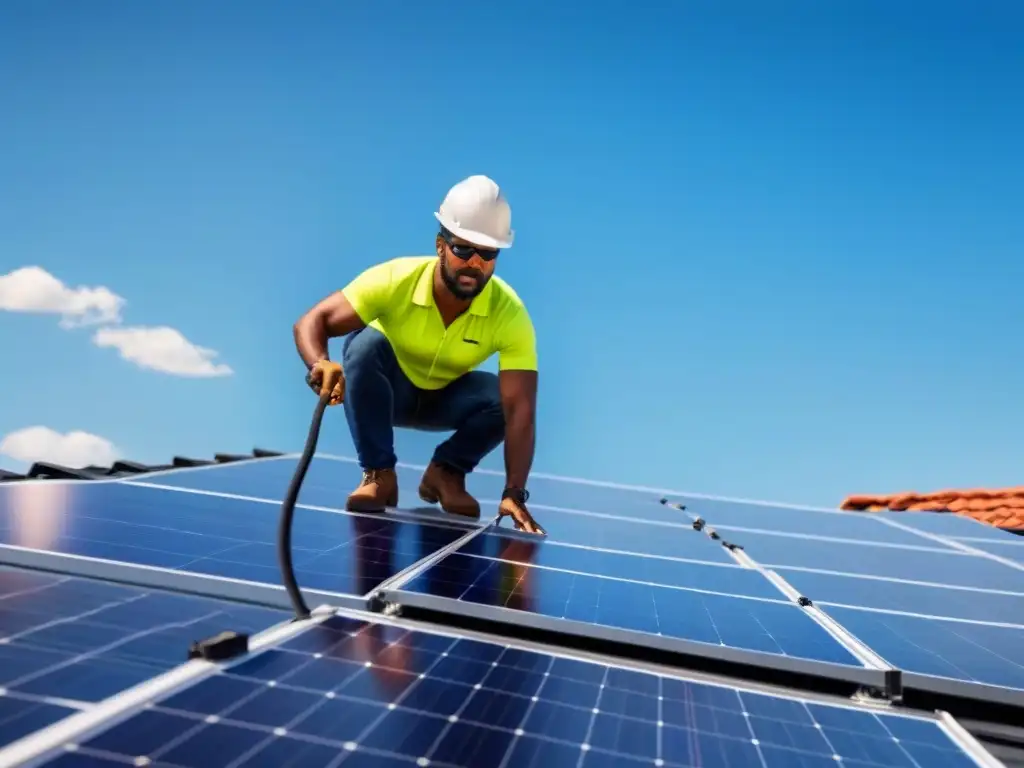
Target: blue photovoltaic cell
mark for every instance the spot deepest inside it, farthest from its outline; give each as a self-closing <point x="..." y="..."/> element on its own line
<point x="640" y="538"/>
<point x="979" y="653"/>
<point x="590" y="497"/>
<point x="1008" y="550"/>
<point x="722" y="515"/>
<point x="945" y="524"/>
<point x="949" y="567"/>
<point x="341" y="553"/>
<point x="728" y="578"/>
<point x="23" y="715"/>
<point x="68" y="640"/>
<point x="775" y="627"/>
<point x="825" y="588"/>
<point x="329" y="481"/>
<point x="388" y="697"/>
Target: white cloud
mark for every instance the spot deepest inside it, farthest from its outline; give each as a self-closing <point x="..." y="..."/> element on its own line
<point x="74" y="449"/>
<point x="162" y="349"/>
<point x="33" y="289"/>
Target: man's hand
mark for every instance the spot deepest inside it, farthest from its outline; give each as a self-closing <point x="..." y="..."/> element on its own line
<point x="322" y="375"/>
<point x="516" y="509"/>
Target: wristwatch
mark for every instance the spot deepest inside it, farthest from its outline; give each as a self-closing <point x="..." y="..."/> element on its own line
<point x="518" y="495"/>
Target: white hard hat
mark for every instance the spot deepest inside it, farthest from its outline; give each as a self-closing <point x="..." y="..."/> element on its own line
<point x="475" y="210"/>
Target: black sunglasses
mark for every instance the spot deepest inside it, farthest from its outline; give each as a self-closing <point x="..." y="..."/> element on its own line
<point x="465" y="251"/>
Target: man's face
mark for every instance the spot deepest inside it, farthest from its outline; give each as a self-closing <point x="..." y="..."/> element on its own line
<point x="464" y="271"/>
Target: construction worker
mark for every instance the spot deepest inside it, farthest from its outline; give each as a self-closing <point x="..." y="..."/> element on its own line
<point x="416" y="329"/>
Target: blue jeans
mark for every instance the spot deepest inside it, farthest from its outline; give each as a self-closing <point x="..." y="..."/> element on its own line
<point x="380" y="397"/>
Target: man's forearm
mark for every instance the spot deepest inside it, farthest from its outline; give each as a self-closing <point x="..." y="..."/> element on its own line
<point x="310" y="340"/>
<point x="519" y="446"/>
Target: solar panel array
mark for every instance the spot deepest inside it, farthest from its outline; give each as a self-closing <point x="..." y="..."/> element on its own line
<point x="107" y="582"/>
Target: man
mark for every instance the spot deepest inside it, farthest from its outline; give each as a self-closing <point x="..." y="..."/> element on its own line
<point x="416" y="329"/>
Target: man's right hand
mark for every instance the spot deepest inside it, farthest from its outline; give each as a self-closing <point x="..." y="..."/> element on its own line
<point x="324" y="372"/>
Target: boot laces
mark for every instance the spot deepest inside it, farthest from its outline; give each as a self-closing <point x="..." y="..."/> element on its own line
<point x="373" y="475"/>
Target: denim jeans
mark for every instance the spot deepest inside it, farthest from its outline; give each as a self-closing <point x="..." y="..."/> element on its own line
<point x="379" y="397"/>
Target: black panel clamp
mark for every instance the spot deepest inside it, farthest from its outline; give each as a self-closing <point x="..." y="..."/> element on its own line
<point x="226" y="645"/>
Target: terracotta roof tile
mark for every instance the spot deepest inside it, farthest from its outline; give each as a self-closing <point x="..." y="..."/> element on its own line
<point x="1001" y="507"/>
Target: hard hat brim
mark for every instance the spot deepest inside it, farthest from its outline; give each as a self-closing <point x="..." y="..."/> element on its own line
<point x="476" y="238"/>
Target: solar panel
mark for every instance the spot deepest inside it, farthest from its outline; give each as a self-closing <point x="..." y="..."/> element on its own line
<point x="859" y="601"/>
<point x="941" y="654"/>
<point x="502" y="577"/>
<point x="66" y="643"/>
<point x="961" y="605"/>
<point x="383" y="694"/>
<point x="172" y="537"/>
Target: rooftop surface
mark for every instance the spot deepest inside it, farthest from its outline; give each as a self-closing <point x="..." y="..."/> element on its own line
<point x="650" y="627"/>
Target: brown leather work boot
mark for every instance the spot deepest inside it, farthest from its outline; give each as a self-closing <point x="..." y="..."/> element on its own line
<point x="448" y="486"/>
<point x="377" y="490"/>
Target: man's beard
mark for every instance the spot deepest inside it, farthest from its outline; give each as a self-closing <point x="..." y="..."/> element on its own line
<point x="459" y="291"/>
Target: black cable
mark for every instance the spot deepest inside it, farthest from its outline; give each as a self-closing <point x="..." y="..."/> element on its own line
<point x="284" y="531"/>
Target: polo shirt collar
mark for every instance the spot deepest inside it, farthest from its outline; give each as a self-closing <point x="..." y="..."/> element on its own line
<point x="423" y="293"/>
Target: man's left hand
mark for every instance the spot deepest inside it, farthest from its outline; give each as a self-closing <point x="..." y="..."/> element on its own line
<point x="520" y="516"/>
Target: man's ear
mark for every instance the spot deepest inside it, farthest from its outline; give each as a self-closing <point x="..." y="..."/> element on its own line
<point x="439" y="246"/>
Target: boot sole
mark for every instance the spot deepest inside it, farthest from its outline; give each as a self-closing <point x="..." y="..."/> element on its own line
<point x="430" y="496"/>
<point x="359" y="506"/>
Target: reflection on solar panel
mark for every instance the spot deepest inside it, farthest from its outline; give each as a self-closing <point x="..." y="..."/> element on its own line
<point x="898" y="611"/>
<point x="182" y="536"/>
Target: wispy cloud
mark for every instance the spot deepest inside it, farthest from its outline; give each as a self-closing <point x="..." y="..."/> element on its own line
<point x="162" y="349"/>
<point x="72" y="449"/>
<point x="33" y="289"/>
<point x="156" y="348"/>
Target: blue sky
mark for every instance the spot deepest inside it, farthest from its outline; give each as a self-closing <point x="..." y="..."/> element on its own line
<point x="771" y="250"/>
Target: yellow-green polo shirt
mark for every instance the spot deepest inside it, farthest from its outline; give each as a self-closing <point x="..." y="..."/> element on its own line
<point x="397" y="298"/>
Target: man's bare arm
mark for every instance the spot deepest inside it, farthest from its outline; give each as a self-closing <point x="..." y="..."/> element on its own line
<point x="519" y="401"/>
<point x="330" y="318"/>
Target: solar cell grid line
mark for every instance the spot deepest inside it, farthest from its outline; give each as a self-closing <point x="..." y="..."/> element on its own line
<point x="215" y="546"/>
<point x="357" y="692"/>
<point x="975" y="660"/>
<point x="505" y="587"/>
<point x="67" y="643"/>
